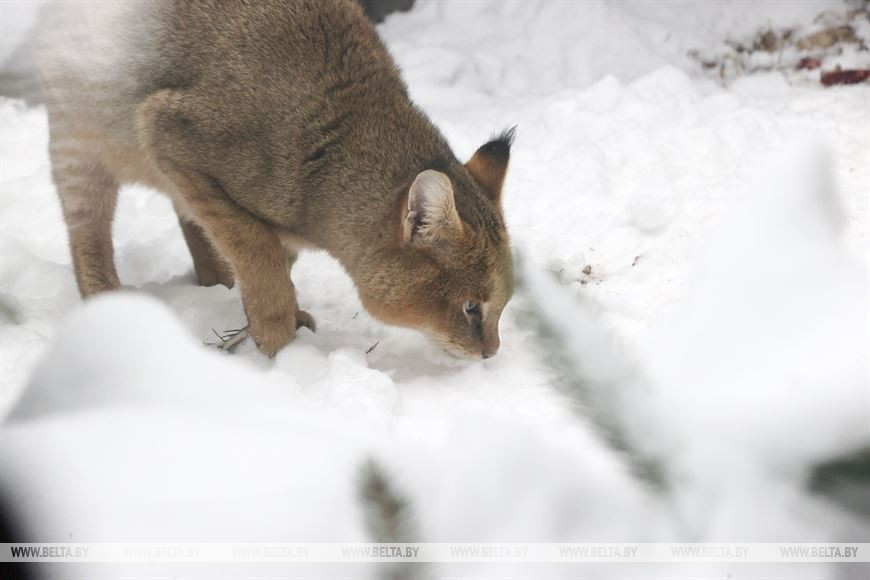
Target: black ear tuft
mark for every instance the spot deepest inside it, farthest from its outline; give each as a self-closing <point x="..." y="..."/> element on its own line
<point x="498" y="149"/>
<point x="507" y="136"/>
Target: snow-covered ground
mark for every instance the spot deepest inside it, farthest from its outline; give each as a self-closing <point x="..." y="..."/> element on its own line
<point x="711" y="244"/>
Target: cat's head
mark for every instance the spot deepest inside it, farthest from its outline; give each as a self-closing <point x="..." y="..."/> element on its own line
<point x="454" y="269"/>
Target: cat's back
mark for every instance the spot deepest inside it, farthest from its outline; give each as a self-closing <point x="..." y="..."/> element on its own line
<point x="273" y="50"/>
<point x="100" y="59"/>
<point x="90" y="56"/>
<point x="291" y="66"/>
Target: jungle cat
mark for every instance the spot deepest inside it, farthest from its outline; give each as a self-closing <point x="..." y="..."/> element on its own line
<point x="274" y="125"/>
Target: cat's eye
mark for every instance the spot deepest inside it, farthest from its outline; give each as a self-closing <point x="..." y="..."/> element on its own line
<point x="471" y="307"/>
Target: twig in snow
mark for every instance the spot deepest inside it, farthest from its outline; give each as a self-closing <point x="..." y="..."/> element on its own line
<point x="234" y="338"/>
<point x="230" y="339"/>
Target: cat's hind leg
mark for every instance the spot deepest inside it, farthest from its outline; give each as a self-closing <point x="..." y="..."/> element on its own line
<point x="210" y="267"/>
<point x="88" y="195"/>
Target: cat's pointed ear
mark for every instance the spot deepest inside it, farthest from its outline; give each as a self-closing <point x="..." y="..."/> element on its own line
<point x="432" y="215"/>
<point x="488" y="166"/>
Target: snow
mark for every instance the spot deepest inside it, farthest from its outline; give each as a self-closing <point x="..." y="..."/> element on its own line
<point x="763" y="361"/>
<point x="710" y="243"/>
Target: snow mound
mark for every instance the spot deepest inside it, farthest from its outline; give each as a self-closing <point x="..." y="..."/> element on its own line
<point x="715" y="320"/>
<point x="753" y="379"/>
<point x="123" y="349"/>
<point x="772" y="333"/>
<point x="152" y="431"/>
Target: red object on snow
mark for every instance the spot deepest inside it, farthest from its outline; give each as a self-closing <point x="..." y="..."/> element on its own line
<point x="809" y="63"/>
<point x="845" y="77"/>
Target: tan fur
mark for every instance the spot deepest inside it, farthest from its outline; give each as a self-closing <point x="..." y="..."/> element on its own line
<point x="276" y="125"/>
<point x="210" y="267"/>
<point x="487" y="172"/>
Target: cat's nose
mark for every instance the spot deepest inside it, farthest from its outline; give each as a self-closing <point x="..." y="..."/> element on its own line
<point x="490" y="345"/>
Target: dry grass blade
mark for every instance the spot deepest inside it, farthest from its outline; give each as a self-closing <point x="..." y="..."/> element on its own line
<point x="230" y="339"/>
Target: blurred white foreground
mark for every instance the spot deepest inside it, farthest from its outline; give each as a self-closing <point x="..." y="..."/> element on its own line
<point x="713" y="303"/>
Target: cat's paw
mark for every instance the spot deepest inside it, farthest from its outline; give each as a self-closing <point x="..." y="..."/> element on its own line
<point x="306" y="320"/>
<point x="212" y="276"/>
<point x="274" y="332"/>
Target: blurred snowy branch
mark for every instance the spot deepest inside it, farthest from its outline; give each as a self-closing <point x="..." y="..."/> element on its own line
<point x="846" y="480"/>
<point x="586" y="363"/>
<point x="388" y="519"/>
